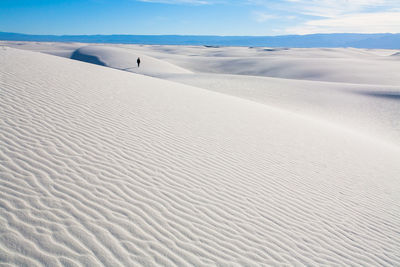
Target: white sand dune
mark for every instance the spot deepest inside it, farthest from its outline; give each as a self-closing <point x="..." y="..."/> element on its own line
<point x="344" y="65"/>
<point x="125" y="59"/>
<point x="57" y="49"/>
<point x="332" y="70"/>
<point x="105" y="167"/>
<point x="359" y="66"/>
<point x="369" y="108"/>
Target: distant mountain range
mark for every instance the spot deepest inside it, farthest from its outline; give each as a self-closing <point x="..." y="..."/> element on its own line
<point x="381" y="40"/>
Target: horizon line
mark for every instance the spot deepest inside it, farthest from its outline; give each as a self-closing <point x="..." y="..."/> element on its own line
<point x="197" y="35"/>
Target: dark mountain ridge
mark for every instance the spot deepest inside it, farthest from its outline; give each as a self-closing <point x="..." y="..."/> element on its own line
<point x="356" y="40"/>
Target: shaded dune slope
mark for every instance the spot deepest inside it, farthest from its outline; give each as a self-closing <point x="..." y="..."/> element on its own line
<point x="81" y="56"/>
<point x="100" y="166"/>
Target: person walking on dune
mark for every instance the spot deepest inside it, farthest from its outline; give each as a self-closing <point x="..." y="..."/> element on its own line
<point x="138" y="62"/>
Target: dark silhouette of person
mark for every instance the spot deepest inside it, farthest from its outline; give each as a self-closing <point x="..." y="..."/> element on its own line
<point x="138" y="62"/>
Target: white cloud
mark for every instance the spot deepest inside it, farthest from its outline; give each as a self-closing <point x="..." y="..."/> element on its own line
<point x="333" y="8"/>
<point x="352" y="23"/>
<point x="262" y="17"/>
<point x="337" y="16"/>
<point x="328" y="8"/>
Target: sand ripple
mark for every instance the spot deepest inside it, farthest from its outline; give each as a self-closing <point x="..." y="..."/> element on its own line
<point x="103" y="167"/>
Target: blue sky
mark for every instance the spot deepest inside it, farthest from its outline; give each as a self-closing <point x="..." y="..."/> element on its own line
<point x="199" y="17"/>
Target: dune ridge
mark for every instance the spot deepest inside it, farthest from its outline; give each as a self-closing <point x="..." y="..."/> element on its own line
<point x="103" y="167"/>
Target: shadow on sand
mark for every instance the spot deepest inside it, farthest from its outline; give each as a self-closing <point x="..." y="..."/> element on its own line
<point x="387" y="95"/>
<point x="86" y="58"/>
<point x="77" y="55"/>
<point x="127" y="69"/>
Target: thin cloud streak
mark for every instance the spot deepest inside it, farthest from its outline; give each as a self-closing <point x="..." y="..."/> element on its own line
<point x="328" y="8"/>
<point x="384" y="22"/>
<point x="262" y="17"/>
<point x="331" y="9"/>
<point x="334" y="16"/>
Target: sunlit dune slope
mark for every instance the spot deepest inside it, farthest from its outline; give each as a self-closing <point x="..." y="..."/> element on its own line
<point x="105" y="167"/>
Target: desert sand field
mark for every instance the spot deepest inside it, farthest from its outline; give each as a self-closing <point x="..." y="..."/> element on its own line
<point x="202" y="156"/>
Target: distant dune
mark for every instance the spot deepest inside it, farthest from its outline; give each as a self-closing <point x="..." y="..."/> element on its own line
<point x="190" y="165"/>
